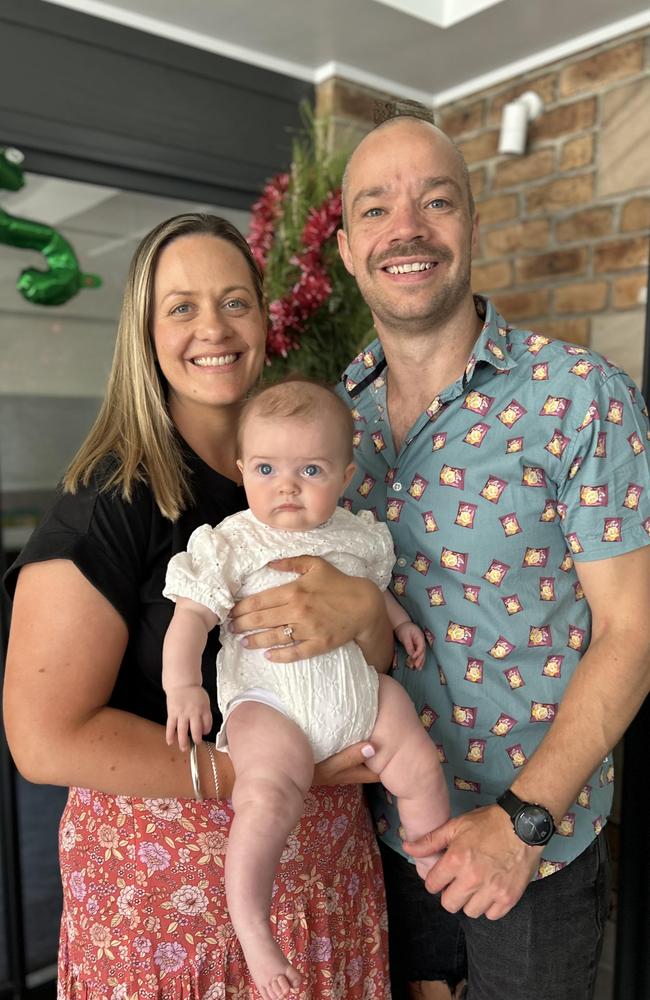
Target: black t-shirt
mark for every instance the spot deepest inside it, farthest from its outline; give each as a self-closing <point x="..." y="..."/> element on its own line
<point x="123" y="549"/>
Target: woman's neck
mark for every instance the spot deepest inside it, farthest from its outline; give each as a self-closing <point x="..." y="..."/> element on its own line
<point x="211" y="432"/>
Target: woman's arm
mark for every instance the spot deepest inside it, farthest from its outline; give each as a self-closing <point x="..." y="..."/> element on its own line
<point x="65" y="648"/>
<point x="325" y="608"/>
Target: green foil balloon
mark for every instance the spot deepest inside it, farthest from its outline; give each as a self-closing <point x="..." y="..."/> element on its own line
<point x="64" y="277"/>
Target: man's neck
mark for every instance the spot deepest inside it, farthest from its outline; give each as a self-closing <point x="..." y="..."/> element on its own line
<point x="422" y="365"/>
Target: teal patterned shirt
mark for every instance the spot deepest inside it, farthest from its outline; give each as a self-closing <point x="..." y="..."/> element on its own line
<point x="536" y="458"/>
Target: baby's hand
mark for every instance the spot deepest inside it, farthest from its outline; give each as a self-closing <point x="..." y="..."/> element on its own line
<point x="188" y="710"/>
<point x="412" y="639"/>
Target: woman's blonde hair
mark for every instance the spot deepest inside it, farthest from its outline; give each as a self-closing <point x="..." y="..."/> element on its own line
<point x="133" y="426"/>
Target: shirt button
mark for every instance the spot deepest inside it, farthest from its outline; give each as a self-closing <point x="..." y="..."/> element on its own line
<point x="401" y="561"/>
<point x="397" y="487"/>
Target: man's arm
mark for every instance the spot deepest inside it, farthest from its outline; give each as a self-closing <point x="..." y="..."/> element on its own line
<point x="486" y="868"/>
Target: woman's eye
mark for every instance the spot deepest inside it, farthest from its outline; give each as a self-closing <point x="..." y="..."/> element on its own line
<point x="373" y="213"/>
<point x="264" y="469"/>
<point x="438" y="203"/>
<point x="234" y="304"/>
<point x="181" y="309"/>
<point x="311" y="470"/>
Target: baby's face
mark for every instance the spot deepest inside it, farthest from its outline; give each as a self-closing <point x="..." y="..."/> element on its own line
<point x="294" y="470"/>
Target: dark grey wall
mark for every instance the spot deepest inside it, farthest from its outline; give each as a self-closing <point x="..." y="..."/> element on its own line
<point x="92" y="100"/>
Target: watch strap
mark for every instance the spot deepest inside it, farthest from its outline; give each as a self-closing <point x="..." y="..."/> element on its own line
<point x="510" y="802"/>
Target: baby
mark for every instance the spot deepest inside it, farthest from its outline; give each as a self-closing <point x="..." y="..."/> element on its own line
<point x="295" y="446"/>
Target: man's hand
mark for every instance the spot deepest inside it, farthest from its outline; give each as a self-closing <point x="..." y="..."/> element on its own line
<point x="188" y="710"/>
<point x="485" y="868"/>
<point x="324" y="608"/>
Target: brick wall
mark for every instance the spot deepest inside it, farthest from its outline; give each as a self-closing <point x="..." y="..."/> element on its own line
<point x="564" y="228"/>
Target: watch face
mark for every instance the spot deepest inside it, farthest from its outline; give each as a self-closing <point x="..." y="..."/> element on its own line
<point x="534" y="825"/>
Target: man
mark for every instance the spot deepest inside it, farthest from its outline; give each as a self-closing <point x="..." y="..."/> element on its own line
<point x="513" y="473"/>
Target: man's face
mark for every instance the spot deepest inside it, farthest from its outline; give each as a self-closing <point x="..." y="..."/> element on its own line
<point x="409" y="231"/>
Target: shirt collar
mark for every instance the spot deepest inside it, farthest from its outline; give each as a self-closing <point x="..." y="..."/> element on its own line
<point x="493" y="347"/>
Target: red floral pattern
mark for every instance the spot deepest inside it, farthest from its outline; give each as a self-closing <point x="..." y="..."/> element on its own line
<point x="144" y="912"/>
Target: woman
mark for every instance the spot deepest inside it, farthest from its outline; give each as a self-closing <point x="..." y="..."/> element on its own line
<point x="144" y="908"/>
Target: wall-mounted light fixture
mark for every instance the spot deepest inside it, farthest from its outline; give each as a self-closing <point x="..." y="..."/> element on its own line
<point x="514" y="122"/>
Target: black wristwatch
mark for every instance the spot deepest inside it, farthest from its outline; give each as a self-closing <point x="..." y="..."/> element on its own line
<point x="531" y="822"/>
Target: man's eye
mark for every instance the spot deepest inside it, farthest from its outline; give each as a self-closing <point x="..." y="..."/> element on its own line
<point x="311" y="470"/>
<point x="264" y="469"/>
<point x="439" y="202"/>
<point x="373" y="213"/>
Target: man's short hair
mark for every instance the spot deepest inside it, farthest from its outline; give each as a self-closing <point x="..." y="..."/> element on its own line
<point x="389" y="111"/>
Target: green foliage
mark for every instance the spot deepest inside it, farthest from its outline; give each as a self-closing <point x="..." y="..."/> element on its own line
<point x="334" y="333"/>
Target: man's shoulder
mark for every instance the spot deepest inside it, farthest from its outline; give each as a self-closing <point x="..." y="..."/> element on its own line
<point x="577" y="359"/>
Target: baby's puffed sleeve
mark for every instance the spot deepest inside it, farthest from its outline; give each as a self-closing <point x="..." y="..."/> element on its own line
<point x="206" y="573"/>
<point x="381" y="553"/>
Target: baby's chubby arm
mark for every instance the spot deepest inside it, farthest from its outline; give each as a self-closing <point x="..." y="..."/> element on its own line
<point x="408" y="633"/>
<point x="188" y="703"/>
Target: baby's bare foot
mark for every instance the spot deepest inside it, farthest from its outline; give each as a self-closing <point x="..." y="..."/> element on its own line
<point x="273" y="975"/>
<point x="424" y="865"/>
<point x="280" y="986"/>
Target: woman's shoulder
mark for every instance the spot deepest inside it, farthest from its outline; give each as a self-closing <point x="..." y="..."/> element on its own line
<point x="100" y="501"/>
<point x="95" y="527"/>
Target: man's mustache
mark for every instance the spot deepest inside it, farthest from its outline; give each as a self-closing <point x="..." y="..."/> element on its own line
<point x="414" y="249"/>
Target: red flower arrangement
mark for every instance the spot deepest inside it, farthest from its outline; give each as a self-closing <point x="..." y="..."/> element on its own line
<point x="288" y="314"/>
<point x="316" y="314"/>
<point x="265" y="213"/>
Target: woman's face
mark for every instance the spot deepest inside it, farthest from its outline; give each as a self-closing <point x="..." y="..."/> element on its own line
<point x="208" y="329"/>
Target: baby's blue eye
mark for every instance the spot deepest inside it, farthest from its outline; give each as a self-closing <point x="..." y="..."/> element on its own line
<point x="312" y="470"/>
<point x="265" y="469"/>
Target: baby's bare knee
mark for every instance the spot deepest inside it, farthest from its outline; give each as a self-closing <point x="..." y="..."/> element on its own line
<point x="269" y="793"/>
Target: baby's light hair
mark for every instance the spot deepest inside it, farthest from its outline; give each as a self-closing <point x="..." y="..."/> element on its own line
<point x="299" y="396"/>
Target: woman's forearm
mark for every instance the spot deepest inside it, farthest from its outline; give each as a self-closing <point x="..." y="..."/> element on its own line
<point x="66" y="645"/>
<point x="121" y="754"/>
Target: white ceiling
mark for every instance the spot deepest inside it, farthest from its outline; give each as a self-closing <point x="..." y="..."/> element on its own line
<point x="431" y="50"/>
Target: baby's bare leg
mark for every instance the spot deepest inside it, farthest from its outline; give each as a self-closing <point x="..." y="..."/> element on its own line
<point x="407" y="763"/>
<point x="274" y="766"/>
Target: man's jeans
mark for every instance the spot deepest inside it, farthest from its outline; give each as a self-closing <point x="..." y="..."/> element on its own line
<point x="548" y="946"/>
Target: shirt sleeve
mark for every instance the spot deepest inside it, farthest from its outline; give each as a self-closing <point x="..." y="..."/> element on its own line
<point x="206" y="573"/>
<point x="106" y="537"/>
<point x="381" y="557"/>
<point x="604" y="498"/>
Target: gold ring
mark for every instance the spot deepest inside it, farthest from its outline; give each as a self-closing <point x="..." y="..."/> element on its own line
<point x="288" y="631"/>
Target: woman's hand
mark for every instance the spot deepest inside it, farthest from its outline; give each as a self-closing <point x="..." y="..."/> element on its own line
<point x="346" y="767"/>
<point x="324" y="609"/>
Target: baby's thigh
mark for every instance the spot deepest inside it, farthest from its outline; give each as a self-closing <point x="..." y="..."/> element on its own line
<point x="266" y="744"/>
<point x="397" y="726"/>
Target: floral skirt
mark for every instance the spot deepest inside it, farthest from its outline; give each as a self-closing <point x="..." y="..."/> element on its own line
<point x="144" y="907"/>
